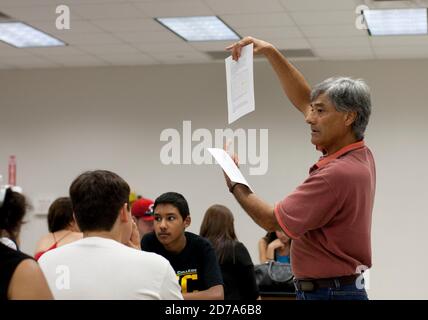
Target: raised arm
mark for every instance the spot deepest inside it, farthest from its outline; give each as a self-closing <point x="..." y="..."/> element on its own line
<point x="292" y="81"/>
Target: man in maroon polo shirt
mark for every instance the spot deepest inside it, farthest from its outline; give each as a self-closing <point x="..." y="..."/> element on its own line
<point x="329" y="215"/>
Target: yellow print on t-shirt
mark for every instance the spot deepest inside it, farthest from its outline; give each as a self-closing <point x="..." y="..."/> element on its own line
<point x="184" y="276"/>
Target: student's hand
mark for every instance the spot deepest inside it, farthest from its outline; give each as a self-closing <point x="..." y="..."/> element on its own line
<point x="134" y="241"/>
<point x="236" y="160"/>
<point x="260" y="47"/>
<point x="276" y="244"/>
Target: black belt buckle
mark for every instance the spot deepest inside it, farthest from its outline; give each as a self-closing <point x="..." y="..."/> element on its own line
<point x="305" y="286"/>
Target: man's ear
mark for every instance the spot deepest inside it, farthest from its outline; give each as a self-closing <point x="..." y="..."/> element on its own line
<point x="124" y="213"/>
<point x="187" y="221"/>
<point x="350" y="118"/>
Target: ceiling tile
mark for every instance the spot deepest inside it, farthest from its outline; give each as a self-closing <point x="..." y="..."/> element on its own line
<point x="90" y="38"/>
<point x="258" y="20"/>
<point x="397" y="41"/>
<point x="107" y="11"/>
<point x="121" y="25"/>
<point x="54" y="51"/>
<point x="332" y="30"/>
<point x="324" y="5"/>
<point x="76" y="26"/>
<point x="128" y="59"/>
<point x="211" y="45"/>
<point x="174" y="8"/>
<point x="164" y="47"/>
<point x="339" y="42"/>
<point x="341" y="53"/>
<point x="7" y="50"/>
<point x="181" y="57"/>
<point x="244" y="6"/>
<point x="401" y="52"/>
<point x="308" y="18"/>
<point x="271" y="33"/>
<point x="78" y="60"/>
<point x="34" y="13"/>
<point x="289" y="43"/>
<point x="149" y="37"/>
<point x="109" y="49"/>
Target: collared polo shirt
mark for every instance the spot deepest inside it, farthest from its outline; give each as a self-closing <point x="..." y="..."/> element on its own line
<point x="329" y="215"/>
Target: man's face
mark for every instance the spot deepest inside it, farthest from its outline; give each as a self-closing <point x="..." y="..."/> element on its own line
<point x="328" y="126"/>
<point x="144" y="226"/>
<point x="169" y="225"/>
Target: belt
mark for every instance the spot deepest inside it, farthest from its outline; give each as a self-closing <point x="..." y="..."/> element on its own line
<point x="314" y="284"/>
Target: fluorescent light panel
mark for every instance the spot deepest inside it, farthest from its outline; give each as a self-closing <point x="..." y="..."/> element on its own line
<point x="21" y="35"/>
<point x="205" y="28"/>
<point x="396" y="21"/>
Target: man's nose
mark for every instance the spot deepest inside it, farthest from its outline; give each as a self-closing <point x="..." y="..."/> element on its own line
<point x="309" y="117"/>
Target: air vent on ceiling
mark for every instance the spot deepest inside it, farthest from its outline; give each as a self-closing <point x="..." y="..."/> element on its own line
<point x="290" y="53"/>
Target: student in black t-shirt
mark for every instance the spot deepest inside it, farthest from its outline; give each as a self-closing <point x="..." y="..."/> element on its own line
<point x="235" y="261"/>
<point x="192" y="257"/>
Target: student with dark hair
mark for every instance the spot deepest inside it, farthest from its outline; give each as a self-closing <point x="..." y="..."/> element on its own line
<point x="20" y="275"/>
<point x="275" y="246"/>
<point x="105" y="263"/>
<point x="192" y="257"/>
<point x="62" y="227"/>
<point x="235" y="261"/>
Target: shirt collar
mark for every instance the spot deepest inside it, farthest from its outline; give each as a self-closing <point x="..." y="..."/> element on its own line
<point x="325" y="160"/>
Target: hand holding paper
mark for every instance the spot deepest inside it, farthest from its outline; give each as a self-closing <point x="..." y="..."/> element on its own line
<point x="228" y="166"/>
<point x="240" y="84"/>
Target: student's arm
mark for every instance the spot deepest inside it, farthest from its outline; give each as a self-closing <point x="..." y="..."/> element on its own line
<point x="292" y="81"/>
<point x="29" y="283"/>
<point x="262" y="250"/>
<point x="213" y="293"/>
<point x="271" y="248"/>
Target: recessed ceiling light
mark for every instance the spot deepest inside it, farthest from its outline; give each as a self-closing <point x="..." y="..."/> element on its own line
<point x="21" y="35"/>
<point x="205" y="28"/>
<point x="382" y="22"/>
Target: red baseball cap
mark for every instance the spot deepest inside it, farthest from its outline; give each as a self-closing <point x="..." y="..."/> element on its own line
<point x="143" y="208"/>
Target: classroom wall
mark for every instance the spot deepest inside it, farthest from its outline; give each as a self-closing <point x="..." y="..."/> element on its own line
<point x="60" y="122"/>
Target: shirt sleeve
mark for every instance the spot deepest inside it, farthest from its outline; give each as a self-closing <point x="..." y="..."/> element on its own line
<point x="170" y="289"/>
<point x="211" y="270"/>
<point x="312" y="205"/>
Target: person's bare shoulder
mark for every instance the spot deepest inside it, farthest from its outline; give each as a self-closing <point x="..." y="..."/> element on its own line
<point x="72" y="237"/>
<point x="44" y="243"/>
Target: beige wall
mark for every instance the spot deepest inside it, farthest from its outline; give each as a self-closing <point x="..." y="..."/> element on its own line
<point x="63" y="121"/>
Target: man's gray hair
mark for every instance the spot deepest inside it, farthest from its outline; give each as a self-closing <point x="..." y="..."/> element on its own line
<point x="348" y="94"/>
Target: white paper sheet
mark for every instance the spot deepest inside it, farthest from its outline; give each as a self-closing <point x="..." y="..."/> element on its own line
<point x="240" y="84"/>
<point x="228" y="166"/>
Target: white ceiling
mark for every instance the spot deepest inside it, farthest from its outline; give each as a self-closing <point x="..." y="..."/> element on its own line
<point x="123" y="32"/>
